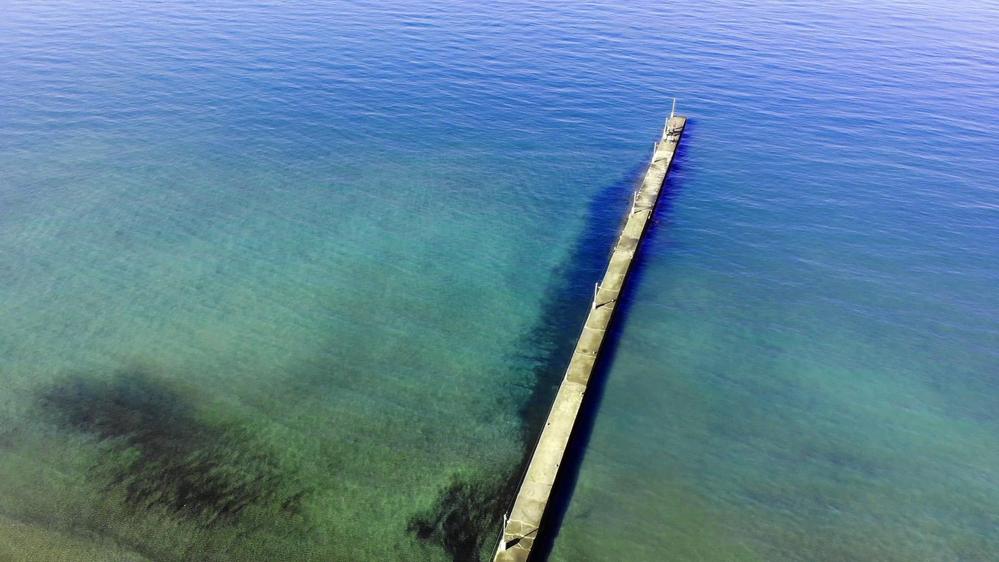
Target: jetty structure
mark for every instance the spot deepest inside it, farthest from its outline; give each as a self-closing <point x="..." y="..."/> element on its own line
<point x="521" y="526"/>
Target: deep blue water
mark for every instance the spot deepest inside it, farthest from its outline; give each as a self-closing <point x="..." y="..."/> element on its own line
<point x="297" y="281"/>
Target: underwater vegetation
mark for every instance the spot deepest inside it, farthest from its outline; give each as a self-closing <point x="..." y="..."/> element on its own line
<point x="465" y="513"/>
<point x="163" y="447"/>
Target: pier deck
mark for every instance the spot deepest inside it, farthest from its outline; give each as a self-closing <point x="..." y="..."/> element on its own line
<point x="521" y="528"/>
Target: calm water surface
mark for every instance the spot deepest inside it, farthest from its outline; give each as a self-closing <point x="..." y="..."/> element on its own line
<point x="297" y="281"/>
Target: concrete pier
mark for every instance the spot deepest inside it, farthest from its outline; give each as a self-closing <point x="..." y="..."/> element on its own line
<point x="521" y="527"/>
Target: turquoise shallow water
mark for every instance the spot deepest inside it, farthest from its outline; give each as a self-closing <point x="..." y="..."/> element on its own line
<point x="297" y="281"/>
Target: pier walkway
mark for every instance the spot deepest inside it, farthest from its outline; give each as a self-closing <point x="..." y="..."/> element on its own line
<point x="521" y="528"/>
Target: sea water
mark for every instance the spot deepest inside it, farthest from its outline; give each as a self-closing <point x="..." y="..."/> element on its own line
<point x="296" y="281"/>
